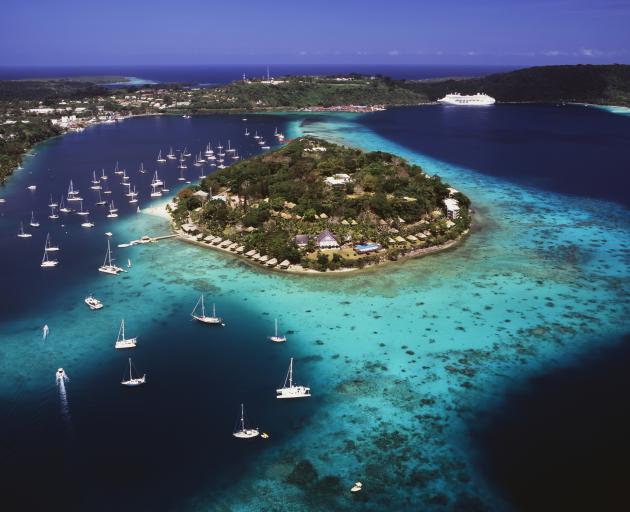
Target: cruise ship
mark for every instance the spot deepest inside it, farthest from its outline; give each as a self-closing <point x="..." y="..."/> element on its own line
<point x="467" y="100"/>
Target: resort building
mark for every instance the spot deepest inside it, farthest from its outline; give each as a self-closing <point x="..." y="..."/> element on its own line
<point x="326" y="240"/>
<point x="452" y="208"/>
<point x="301" y="240"/>
<point x="338" y="179"/>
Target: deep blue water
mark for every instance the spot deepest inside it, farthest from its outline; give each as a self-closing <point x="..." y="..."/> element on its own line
<point x="571" y="149"/>
<point x="224" y="74"/>
<point x="153" y="448"/>
<point x="561" y="441"/>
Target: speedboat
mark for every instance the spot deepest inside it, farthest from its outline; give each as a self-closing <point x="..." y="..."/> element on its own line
<point x="93" y="302"/>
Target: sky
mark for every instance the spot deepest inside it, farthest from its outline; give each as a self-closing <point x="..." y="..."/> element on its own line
<point x="205" y="32"/>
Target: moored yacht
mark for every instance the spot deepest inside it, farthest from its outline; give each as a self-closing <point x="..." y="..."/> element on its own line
<point x="93" y="302"/>
<point x="277" y="338"/>
<point x="34" y="223"/>
<point x="121" y="341"/>
<point x="160" y="158"/>
<point x="108" y="267"/>
<point x="22" y="233"/>
<point x="47" y="262"/>
<point x="212" y="320"/>
<point x="290" y="390"/>
<point x="133" y="381"/>
<point x="242" y="432"/>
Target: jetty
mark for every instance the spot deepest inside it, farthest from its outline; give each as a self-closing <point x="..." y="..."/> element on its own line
<point x="146" y="239"/>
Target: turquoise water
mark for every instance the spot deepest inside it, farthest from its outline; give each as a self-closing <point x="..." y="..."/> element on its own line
<point x="400" y="359"/>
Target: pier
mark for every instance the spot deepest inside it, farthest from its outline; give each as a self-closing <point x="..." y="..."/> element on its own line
<point x="146" y="240"/>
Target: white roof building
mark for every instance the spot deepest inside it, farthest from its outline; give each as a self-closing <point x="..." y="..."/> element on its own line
<point x="452" y="208"/>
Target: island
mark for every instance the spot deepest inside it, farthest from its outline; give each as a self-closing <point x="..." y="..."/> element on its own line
<point x="315" y="206"/>
<point x="34" y="110"/>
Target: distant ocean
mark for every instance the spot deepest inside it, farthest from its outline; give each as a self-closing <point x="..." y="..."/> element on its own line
<point x="206" y="75"/>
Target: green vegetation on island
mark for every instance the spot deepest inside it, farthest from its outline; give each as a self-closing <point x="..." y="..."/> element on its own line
<point x="598" y="84"/>
<point x="323" y="206"/>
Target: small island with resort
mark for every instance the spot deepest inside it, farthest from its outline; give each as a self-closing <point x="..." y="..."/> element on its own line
<point x="315" y="206"/>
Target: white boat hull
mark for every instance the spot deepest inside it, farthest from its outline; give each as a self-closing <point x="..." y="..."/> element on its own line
<point x="128" y="343"/>
<point x="294" y="392"/>
<point x="248" y="433"/>
<point x="134" y="382"/>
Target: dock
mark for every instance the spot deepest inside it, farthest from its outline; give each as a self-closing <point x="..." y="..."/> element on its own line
<point x="146" y="239"/>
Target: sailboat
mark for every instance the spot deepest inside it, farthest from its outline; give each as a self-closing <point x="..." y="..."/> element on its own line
<point x="62" y="207"/>
<point x="181" y="174"/>
<point x="96" y="184"/>
<point x="133" y="381"/>
<point x="155" y="191"/>
<point x="164" y="189"/>
<point x="34" y="222"/>
<point x="235" y="156"/>
<point x="186" y="153"/>
<point x="45" y="331"/>
<point x="52" y="203"/>
<point x="53" y="213"/>
<point x="49" y="245"/>
<point x="229" y="148"/>
<point x="142" y="170"/>
<point x="81" y="210"/>
<point x="276" y="338"/>
<point x="101" y="201"/>
<point x="246" y="132"/>
<point x="87" y="223"/>
<point x="22" y="233"/>
<point x="107" y="191"/>
<point x="108" y="267"/>
<point x="209" y="150"/>
<point x="103" y="175"/>
<point x="160" y="158"/>
<point x="112" y="211"/>
<point x="128" y="193"/>
<point x="244" y="433"/>
<point x="124" y="176"/>
<point x="289" y="390"/>
<point x="256" y="136"/>
<point x="171" y="155"/>
<point x="121" y="341"/>
<point x="212" y="320"/>
<point x="117" y="170"/>
<point x="46" y="261"/>
<point x="134" y="196"/>
<point x="73" y="195"/>
<point x="156" y="180"/>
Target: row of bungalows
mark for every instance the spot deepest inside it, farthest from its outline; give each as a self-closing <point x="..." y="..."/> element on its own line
<point x="266" y="260"/>
<point x="413" y="239"/>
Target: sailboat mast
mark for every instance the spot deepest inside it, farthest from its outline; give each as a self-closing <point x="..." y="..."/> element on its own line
<point x="130" y="377"/>
<point x="291" y="373"/>
<point x="242" y="417"/>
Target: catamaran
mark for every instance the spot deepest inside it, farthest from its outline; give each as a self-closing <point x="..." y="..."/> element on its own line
<point x="22" y="233"/>
<point x="34" y="222"/>
<point x="49" y="245"/>
<point x="212" y="320"/>
<point x="171" y="155"/>
<point x="276" y="338"/>
<point x="121" y="341"/>
<point x="108" y="267"/>
<point x="133" y="381"/>
<point x="46" y="261"/>
<point x="291" y="390"/>
<point x="155" y="191"/>
<point x="160" y="158"/>
<point x="244" y="433"/>
<point x="93" y="302"/>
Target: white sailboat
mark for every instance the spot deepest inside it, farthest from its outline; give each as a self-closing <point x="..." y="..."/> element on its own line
<point x="171" y="155"/>
<point x="117" y="170"/>
<point x="96" y="184"/>
<point x="276" y="338"/>
<point x="181" y="174"/>
<point x="62" y="207"/>
<point x="185" y="153"/>
<point x="155" y="191"/>
<point x="290" y="390"/>
<point x="256" y="136"/>
<point x="49" y="245"/>
<point x="113" y="211"/>
<point x="101" y="201"/>
<point x="164" y="188"/>
<point x="124" y="176"/>
<point x="34" y="222"/>
<point x="160" y="158"/>
<point x="246" y="132"/>
<point x="81" y="210"/>
<point x="212" y="320"/>
<point x="22" y="233"/>
<point x="73" y="195"/>
<point x="87" y="223"/>
<point x="133" y="381"/>
<point x="142" y="170"/>
<point x="53" y="213"/>
<point x="108" y="267"/>
<point x="121" y="341"/>
<point x="52" y="203"/>
<point x="48" y="262"/>
<point x="241" y="432"/>
<point x="156" y="179"/>
<point x="230" y="149"/>
<point x="134" y="196"/>
<point x="103" y="175"/>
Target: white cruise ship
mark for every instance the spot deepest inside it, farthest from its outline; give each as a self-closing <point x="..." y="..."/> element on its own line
<point x="467" y="100"/>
